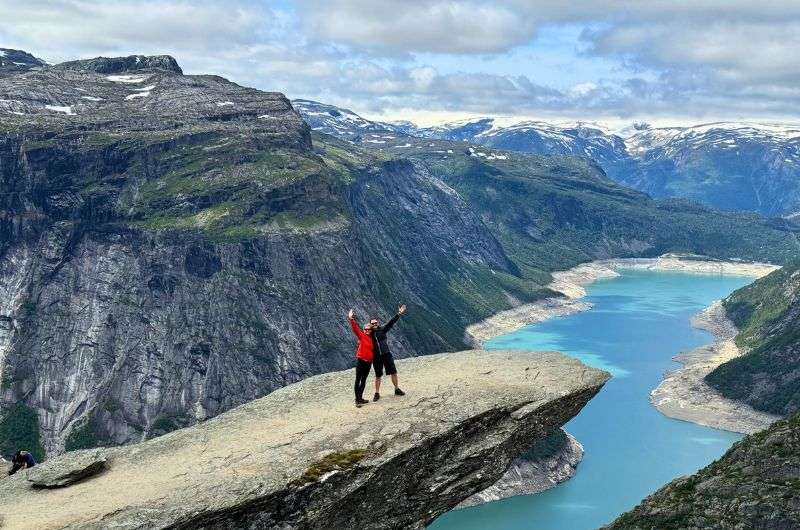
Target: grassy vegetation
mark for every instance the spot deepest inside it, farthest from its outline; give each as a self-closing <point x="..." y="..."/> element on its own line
<point x="83" y="436"/>
<point x="19" y="429"/>
<point x="166" y="423"/>
<point x="756" y="307"/>
<point x="333" y="462"/>
<point x="228" y="190"/>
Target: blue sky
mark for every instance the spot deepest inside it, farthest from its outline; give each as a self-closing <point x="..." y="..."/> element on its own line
<point x="432" y="60"/>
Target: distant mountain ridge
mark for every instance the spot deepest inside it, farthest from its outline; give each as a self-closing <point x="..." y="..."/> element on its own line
<point x="729" y="165"/>
<point x="16" y="61"/>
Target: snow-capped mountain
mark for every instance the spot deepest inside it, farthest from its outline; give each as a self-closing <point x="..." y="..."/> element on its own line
<point x="16" y="61"/>
<point x="742" y="166"/>
<point x="538" y="137"/>
<point x="345" y="123"/>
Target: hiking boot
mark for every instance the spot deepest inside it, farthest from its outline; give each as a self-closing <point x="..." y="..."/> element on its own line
<point x="362" y="401"/>
<point x="359" y="404"/>
<point x="398" y="392"/>
<point x="376" y="397"/>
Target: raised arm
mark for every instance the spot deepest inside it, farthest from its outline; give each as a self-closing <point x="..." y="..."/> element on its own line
<point x="394" y="319"/>
<point x="357" y="331"/>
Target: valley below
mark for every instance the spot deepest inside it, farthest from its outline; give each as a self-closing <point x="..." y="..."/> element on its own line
<point x="639" y="316"/>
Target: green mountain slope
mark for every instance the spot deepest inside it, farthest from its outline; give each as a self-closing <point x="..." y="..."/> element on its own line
<point x="767" y="313"/>
<point x="756" y="484"/>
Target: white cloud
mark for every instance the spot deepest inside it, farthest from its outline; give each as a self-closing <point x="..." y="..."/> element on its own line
<point x="404" y="26"/>
<point x="61" y="29"/>
<point x="699" y="58"/>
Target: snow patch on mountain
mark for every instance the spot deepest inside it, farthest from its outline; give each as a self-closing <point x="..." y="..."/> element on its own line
<point x="63" y="109"/>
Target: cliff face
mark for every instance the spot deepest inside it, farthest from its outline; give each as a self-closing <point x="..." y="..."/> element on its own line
<point x="169" y="256"/>
<point x="755" y="485"/>
<point x="305" y="457"/>
<point x="767" y="314"/>
<point x="172" y="246"/>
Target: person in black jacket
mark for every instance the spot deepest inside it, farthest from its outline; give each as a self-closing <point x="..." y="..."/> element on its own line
<point x="383" y="360"/>
<point x="22" y="460"/>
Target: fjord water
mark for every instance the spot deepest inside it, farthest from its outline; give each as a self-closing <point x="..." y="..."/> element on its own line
<point x="638" y="322"/>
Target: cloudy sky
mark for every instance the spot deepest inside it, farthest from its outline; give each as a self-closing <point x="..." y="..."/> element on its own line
<point x="665" y="61"/>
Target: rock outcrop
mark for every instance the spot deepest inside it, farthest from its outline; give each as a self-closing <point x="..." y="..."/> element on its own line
<point x="305" y="457"/>
<point x="118" y="65"/>
<point x="17" y="61"/>
<point x="755" y="485"/>
<point x="548" y="463"/>
<point x="68" y="469"/>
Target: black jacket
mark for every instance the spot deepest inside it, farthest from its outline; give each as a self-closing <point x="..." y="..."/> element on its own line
<point x="379" y="336"/>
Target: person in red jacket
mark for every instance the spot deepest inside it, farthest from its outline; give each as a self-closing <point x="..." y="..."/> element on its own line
<point x="364" y="356"/>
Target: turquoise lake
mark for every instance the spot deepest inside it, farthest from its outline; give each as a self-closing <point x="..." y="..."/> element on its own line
<point x="639" y="321"/>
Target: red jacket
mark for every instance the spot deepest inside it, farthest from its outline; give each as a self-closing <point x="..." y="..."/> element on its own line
<point x="364" y="350"/>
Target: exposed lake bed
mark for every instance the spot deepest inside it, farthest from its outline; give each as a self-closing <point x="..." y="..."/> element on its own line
<point x="684" y="393"/>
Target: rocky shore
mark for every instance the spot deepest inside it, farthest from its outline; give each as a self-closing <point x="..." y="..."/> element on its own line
<point x="684" y="394"/>
<point x="569" y="283"/>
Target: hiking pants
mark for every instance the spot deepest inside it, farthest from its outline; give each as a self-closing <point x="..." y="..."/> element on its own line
<point x="362" y="371"/>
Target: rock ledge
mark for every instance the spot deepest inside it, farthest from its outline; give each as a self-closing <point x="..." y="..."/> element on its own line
<point x="305" y="457"/>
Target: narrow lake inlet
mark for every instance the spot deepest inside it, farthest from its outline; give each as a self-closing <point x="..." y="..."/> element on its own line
<point x="639" y="321"/>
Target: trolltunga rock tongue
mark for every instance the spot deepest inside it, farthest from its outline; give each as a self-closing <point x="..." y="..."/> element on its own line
<point x="305" y="457"/>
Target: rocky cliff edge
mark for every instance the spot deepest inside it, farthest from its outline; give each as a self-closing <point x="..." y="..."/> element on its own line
<point x="305" y="457"/>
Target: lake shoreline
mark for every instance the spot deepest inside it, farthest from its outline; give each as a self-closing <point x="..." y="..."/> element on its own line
<point x="572" y="282"/>
<point x="684" y="394"/>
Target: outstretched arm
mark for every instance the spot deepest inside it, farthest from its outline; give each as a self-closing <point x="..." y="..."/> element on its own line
<point x="394" y="319"/>
<point x="354" y="325"/>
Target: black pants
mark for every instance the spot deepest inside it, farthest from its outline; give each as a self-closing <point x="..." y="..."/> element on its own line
<point x="362" y="371"/>
<point x="16" y="467"/>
